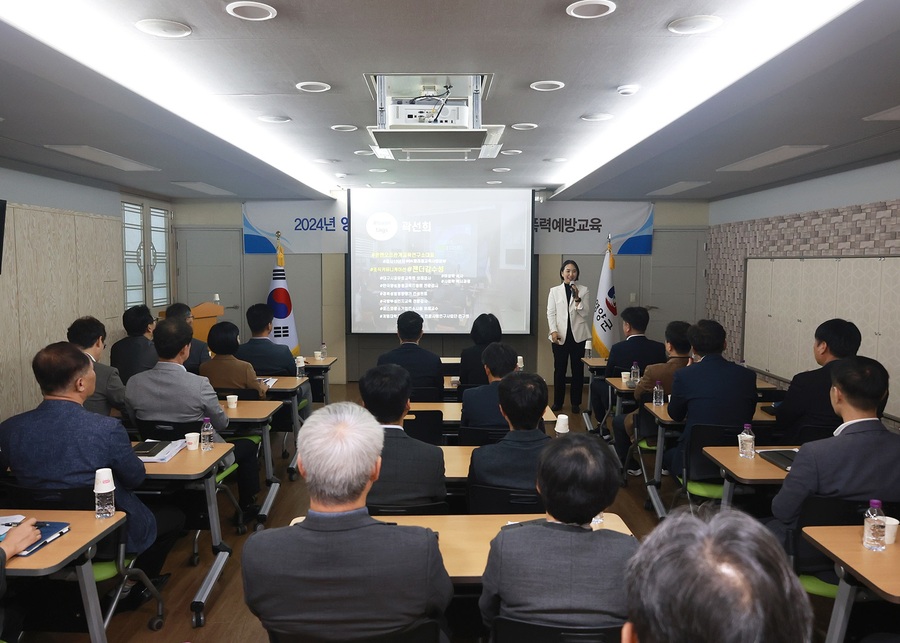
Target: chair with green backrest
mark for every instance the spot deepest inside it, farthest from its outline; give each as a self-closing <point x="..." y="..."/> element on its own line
<point x="701" y="477"/>
<point x="110" y="560"/>
<point x="815" y="569"/>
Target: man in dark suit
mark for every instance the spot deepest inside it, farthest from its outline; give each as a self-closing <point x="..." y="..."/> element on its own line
<point x="513" y="461"/>
<point x="59" y="445"/>
<point x="636" y="347"/>
<point x="579" y="575"/>
<point x="808" y="398"/>
<point x="424" y="367"/>
<point x="135" y="353"/>
<point x="89" y="334"/>
<point x="712" y="390"/>
<point x="267" y="357"/>
<point x="339" y="571"/>
<point x="860" y="461"/>
<point x="481" y="405"/>
<point x="199" y="349"/>
<point x="412" y="472"/>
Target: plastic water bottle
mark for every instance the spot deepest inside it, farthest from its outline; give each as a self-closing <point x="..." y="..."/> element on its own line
<point x="206" y="435"/>
<point x="635" y="372"/>
<point x="747" y="442"/>
<point x="324" y="350"/>
<point x="105" y="504"/>
<point x="873" y="527"/>
<point x="659" y="396"/>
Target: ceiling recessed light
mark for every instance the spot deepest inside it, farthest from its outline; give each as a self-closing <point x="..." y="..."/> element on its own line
<point x="378" y="170"/>
<point x="255" y="11"/>
<point x="524" y="126"/>
<point x="364" y="152"/>
<point x="388" y="183"/>
<point x="557" y="159"/>
<point x="344" y="128"/>
<point x="511" y="152"/>
<point x="588" y="9"/>
<point x="271" y="118"/>
<point x="325" y="161"/>
<point x="340" y="175"/>
<point x="628" y="90"/>
<point x="493" y="182"/>
<point x="313" y="86"/>
<point x="694" y="24"/>
<point x="163" y="28"/>
<point x="596" y="117"/>
<point x="500" y="169"/>
<point x="547" y="85"/>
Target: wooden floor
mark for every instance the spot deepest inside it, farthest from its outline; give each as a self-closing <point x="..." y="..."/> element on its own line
<point x="227" y="617"/>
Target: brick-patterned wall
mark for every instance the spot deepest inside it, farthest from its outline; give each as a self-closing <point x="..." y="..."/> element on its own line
<point x="870" y="229"/>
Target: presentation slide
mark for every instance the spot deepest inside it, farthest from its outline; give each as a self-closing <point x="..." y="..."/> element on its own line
<point x="449" y="255"/>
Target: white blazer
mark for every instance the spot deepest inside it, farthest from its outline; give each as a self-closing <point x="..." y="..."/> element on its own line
<point x="579" y="315"/>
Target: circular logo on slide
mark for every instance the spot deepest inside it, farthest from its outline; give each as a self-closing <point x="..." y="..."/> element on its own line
<point x="280" y="301"/>
<point x="381" y="226"/>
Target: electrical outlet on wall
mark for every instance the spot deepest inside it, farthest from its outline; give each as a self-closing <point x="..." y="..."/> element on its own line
<point x="632" y="297"/>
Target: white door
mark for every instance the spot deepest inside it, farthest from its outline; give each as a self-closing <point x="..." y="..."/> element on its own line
<point x="208" y="262"/>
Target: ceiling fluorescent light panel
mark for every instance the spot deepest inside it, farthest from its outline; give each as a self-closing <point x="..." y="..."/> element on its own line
<point x="773" y="156"/>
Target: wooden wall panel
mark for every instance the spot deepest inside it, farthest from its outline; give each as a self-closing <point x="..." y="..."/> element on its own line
<point x="10" y="351"/>
<point x="99" y="277"/>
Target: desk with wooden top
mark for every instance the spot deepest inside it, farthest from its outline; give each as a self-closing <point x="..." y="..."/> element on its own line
<point x="200" y="465"/>
<point x="452" y="411"/>
<point x="596" y="367"/>
<point x="877" y="570"/>
<point x="288" y="389"/>
<point x="465" y="540"/>
<point x="76" y="546"/>
<point x="318" y="369"/>
<point x="456" y="462"/>
<point x="257" y="414"/>
<point x="736" y="469"/>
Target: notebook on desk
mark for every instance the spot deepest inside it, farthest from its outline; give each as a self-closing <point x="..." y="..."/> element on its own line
<point x="781" y="458"/>
<point x="150" y="448"/>
<point x="50" y="531"/>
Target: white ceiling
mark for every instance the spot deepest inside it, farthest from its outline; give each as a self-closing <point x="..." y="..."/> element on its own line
<point x="815" y="93"/>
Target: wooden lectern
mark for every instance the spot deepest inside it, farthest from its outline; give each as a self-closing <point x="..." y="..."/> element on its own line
<point x="205" y="316"/>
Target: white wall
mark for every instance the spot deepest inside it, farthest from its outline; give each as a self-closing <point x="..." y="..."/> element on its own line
<point x="866" y="185"/>
<point x="19" y="187"/>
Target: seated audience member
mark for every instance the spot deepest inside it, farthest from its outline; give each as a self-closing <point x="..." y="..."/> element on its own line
<point x="14" y="542"/>
<point x="199" y="349"/>
<point x="636" y="347"/>
<point x="89" y="334"/>
<point x="860" y="461"/>
<point x="168" y="392"/>
<point x="481" y="405"/>
<point x="412" y="472"/>
<point x="717" y="579"/>
<point x="808" y="398"/>
<point x="485" y="330"/>
<point x="424" y="367"/>
<point x="60" y="445"/>
<point x="712" y="390"/>
<point x="678" y="349"/>
<point x="340" y="571"/>
<point x="135" y="353"/>
<point x="513" y="461"/>
<point x="578" y="578"/>
<point x="225" y="370"/>
<point x="267" y="357"/>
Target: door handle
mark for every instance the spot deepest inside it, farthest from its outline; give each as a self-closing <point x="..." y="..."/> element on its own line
<point x="235" y="307"/>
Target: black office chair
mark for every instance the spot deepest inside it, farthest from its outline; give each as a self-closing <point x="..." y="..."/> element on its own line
<point x="242" y="393"/>
<point x="429" y="509"/>
<point x="702" y="478"/>
<point x="163" y="430"/>
<point x="426" y="394"/>
<point x="508" y="630"/>
<point x="477" y="436"/>
<point x="807" y="433"/>
<point x="427" y="631"/>
<point x="499" y="500"/>
<point x="110" y="558"/>
<point x="427" y="426"/>
<point x="462" y="388"/>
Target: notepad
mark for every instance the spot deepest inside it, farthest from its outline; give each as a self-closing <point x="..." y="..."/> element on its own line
<point x="781" y="458"/>
<point x="150" y="448"/>
<point x="50" y="531"/>
<point x="169" y="451"/>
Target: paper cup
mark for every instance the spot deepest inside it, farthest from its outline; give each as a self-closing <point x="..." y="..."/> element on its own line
<point x="103" y="481"/>
<point x="890" y="530"/>
<point x="192" y="440"/>
<point x="318" y="355"/>
<point x="626" y="375"/>
<point x="520" y="361"/>
<point x="300" y="361"/>
<point x="454" y="380"/>
<point x="562" y="424"/>
<point x="587" y="346"/>
<point x="231" y="400"/>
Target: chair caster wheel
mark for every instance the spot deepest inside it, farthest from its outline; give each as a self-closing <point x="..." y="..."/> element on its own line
<point x="194" y="560"/>
<point x="241" y="530"/>
<point x="155" y="623"/>
<point x="198" y="619"/>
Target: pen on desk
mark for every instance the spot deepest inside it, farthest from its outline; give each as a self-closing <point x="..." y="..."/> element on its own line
<point x="16" y="524"/>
